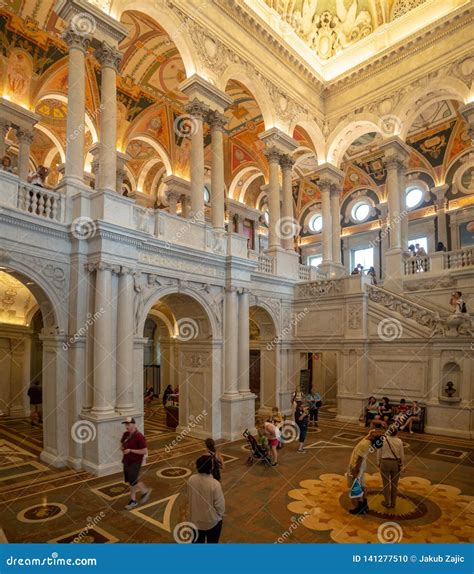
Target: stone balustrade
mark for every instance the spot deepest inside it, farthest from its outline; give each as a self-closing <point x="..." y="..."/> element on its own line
<point x="459" y="259"/>
<point x="265" y="264"/>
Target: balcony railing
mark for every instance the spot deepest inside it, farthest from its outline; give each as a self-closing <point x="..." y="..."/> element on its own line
<point x="459" y="259"/>
<point x="265" y="264"/>
<point x="417" y="265"/>
<point x="40" y="201"/>
<point x="304" y="272"/>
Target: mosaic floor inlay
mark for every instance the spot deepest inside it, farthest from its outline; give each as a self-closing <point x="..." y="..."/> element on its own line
<point x="42" y="512"/>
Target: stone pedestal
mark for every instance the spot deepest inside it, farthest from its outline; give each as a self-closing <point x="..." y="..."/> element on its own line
<point x="238" y="414"/>
<point x="394" y="270"/>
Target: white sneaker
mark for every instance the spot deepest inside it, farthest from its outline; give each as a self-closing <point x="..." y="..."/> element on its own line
<point x="131" y="505"/>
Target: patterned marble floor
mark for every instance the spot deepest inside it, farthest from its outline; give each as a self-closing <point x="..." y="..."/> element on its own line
<point x="303" y="499"/>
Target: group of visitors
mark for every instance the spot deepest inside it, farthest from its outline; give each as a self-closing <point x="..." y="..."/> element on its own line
<point x="206" y="504"/>
<point x="390" y="460"/>
<point x="37" y="178"/>
<point x="359" y="270"/>
<point x="382" y="413"/>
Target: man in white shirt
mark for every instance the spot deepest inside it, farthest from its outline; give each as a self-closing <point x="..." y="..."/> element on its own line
<point x="206" y="502"/>
<point x="390" y="461"/>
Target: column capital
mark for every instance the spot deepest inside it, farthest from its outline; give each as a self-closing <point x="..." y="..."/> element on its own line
<point x="383" y="208"/>
<point x="325" y="185"/>
<point x="103" y="266"/>
<point x="198" y="88"/>
<point x="231" y="289"/>
<point x="275" y="138"/>
<point x="273" y="154"/>
<point x="25" y="136"/>
<point x="74" y="39"/>
<point x="330" y="174"/>
<point x="394" y="161"/>
<point x="124" y="270"/>
<point x="197" y="109"/>
<point x="108" y="56"/>
<point x="394" y="148"/>
<point x="286" y="162"/>
<point x="216" y="120"/>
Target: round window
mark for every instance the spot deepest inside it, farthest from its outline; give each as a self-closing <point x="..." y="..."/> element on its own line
<point x="413" y="197"/>
<point x="360" y="211"/>
<point x="316" y="223"/>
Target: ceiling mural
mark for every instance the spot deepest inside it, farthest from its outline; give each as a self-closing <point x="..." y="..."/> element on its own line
<point x="244" y="113"/>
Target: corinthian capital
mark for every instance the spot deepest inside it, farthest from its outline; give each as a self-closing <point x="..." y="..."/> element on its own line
<point x="273" y="154"/>
<point x="216" y="120"/>
<point x="108" y="56"/>
<point x="75" y="40"/>
<point x="25" y="136"/>
<point x="287" y="162"/>
<point x="325" y="184"/>
<point x="197" y="110"/>
<point x="394" y="162"/>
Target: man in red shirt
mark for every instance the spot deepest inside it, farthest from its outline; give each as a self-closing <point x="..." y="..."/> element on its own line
<point x="133" y="446"/>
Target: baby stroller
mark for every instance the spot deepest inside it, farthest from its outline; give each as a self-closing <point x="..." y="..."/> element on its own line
<point x="256" y="451"/>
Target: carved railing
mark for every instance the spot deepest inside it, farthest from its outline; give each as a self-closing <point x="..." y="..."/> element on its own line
<point x="408" y="309"/>
<point x="417" y="265"/>
<point x="459" y="259"/>
<point x="321" y="288"/>
<point x="40" y="201"/>
<point x="265" y="264"/>
<point x="304" y="272"/>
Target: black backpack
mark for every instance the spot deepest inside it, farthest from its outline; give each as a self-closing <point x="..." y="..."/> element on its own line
<point x="463" y="308"/>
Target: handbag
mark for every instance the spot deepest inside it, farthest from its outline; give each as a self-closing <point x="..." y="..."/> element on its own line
<point x="399" y="460"/>
<point x="356" y="489"/>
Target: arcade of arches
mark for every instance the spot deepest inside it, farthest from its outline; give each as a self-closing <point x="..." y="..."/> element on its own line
<point x="240" y="200"/>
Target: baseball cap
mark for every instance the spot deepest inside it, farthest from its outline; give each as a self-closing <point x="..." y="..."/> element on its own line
<point x="129" y="420"/>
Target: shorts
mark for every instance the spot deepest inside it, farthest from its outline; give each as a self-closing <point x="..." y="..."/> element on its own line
<point x="273" y="442"/>
<point x="131" y="472"/>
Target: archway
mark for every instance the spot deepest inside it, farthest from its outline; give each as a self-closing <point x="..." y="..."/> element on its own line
<point x="181" y="345"/>
<point x="264" y="357"/>
<point x="32" y="354"/>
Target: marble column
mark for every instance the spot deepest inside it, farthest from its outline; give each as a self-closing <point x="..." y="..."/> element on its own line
<point x="109" y="59"/>
<point x="383" y="243"/>
<point x="393" y="165"/>
<point x="4" y="127"/>
<point x="25" y="139"/>
<point x="231" y="342"/>
<point x="335" y="224"/>
<point x="288" y="217"/>
<point x="125" y="339"/>
<point x="198" y="111"/>
<point x="185" y="206"/>
<point x="325" y="187"/>
<point x="20" y="376"/>
<point x="172" y="199"/>
<point x="402" y="186"/>
<point x="441" y="206"/>
<point x="243" y="346"/>
<point x="274" y="235"/>
<point x="103" y="340"/>
<point x="75" y="127"/>
<point x="217" y="122"/>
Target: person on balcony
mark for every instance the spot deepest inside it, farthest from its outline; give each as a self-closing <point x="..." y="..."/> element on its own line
<point x="7" y="164"/>
<point x="420" y="251"/>
<point x="458" y="303"/>
<point x="441" y="247"/>
<point x="39" y="177"/>
<point x="373" y="276"/>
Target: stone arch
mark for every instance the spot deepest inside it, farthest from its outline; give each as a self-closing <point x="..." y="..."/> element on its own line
<point x="54" y="140"/>
<point x="160" y="292"/>
<point x="256" y="88"/>
<point x="264" y="356"/>
<point x="349" y="130"/>
<point x="446" y="88"/>
<point x="54" y="316"/>
<point x="160" y="150"/>
<point x="176" y="28"/>
<point x="314" y="132"/>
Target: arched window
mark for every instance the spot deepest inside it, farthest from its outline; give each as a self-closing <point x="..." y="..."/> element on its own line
<point x="316" y="223"/>
<point x="414" y="197"/>
<point x="207" y="195"/>
<point x="360" y="211"/>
